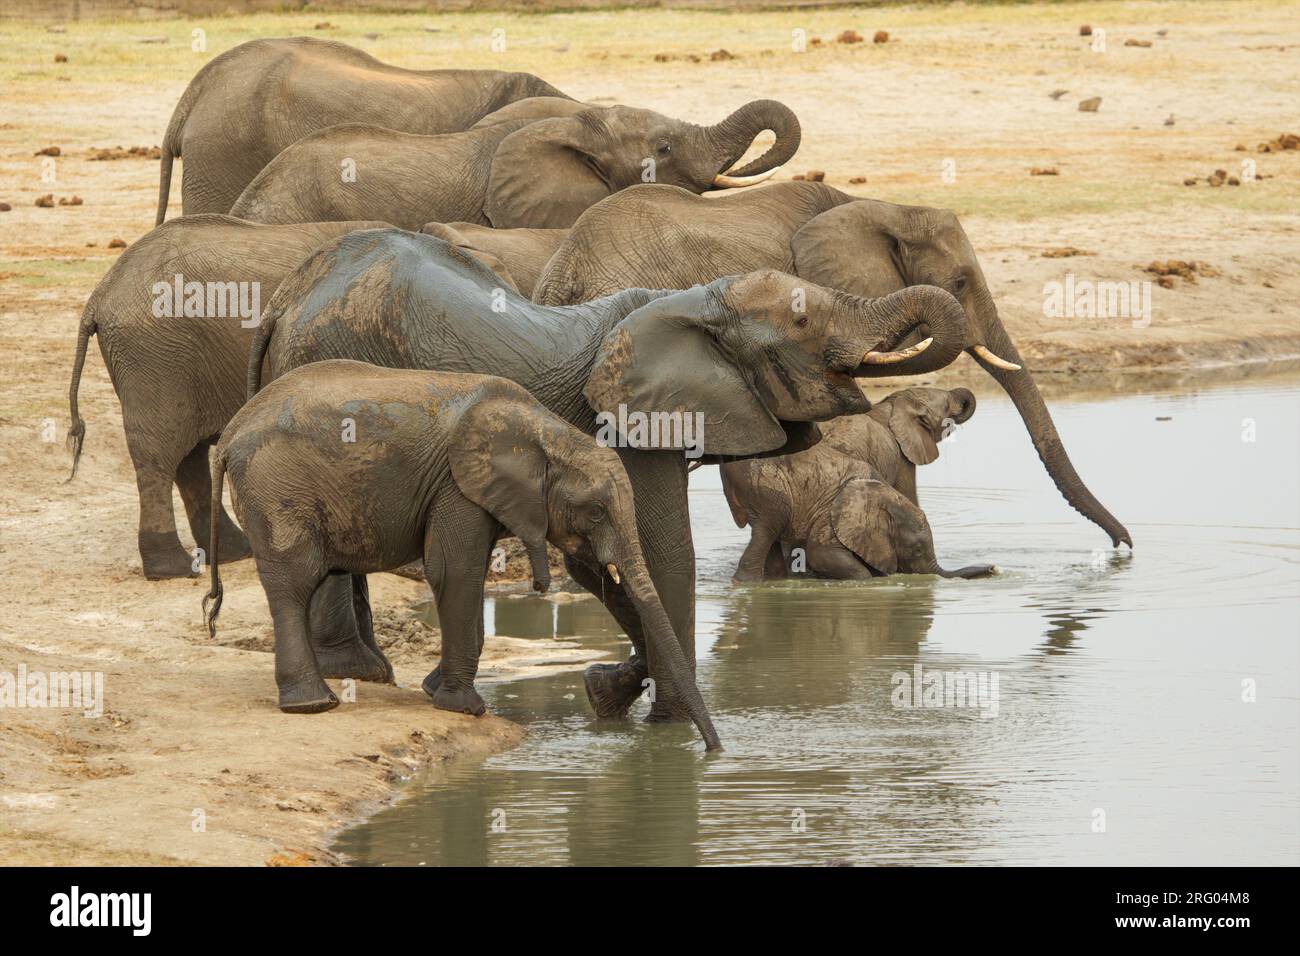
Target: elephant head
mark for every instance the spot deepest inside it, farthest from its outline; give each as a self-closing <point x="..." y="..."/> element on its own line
<point x="887" y="532"/>
<point x="920" y="418"/>
<point x="921" y="245"/>
<point x="756" y="358"/>
<point x="544" y="480"/>
<point x="547" y="173"/>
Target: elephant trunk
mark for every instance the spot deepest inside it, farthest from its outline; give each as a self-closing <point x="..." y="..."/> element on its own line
<point x="662" y="641"/>
<point x="918" y="312"/>
<point x="965" y="400"/>
<point x="733" y="136"/>
<point x="1020" y="385"/>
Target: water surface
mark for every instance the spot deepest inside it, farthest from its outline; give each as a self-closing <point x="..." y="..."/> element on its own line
<point x="1120" y="677"/>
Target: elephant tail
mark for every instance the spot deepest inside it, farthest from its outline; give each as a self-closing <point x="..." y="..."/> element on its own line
<point x="77" y="433"/>
<point x="212" y="600"/>
<point x="171" y="148"/>
<point x="261" y="342"/>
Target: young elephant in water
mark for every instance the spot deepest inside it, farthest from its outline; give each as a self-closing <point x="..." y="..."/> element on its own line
<point x="849" y="503"/>
<point x="340" y="467"/>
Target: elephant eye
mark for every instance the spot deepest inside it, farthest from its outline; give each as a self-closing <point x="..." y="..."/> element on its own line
<point x="596" y="514"/>
<point x="960" y="285"/>
<point x="665" y="149"/>
<point x="801" y="321"/>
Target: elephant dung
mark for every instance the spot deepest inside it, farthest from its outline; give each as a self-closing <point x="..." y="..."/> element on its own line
<point x="1089" y="105"/>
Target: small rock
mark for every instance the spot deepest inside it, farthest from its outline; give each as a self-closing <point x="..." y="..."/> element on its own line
<point x="849" y="36"/>
<point x="1044" y="171"/>
<point x="49" y="151"/>
<point x="117" y="244"/>
<point x="1170" y="120"/>
<point x="881" y="36"/>
<point x="46" y="201"/>
<point x="1164" y="418"/>
<point x="60" y="58"/>
<point x="152" y="40"/>
<point x="1132" y="42"/>
<point x="1064" y="252"/>
<point x="1085" y="31"/>
<point x="1161" y="33"/>
<point x="1057" y="94"/>
<point x="1189" y="181"/>
<point x="812" y="176"/>
<point x="719" y="55"/>
<point x="69" y="200"/>
<point x="1240" y="147"/>
<point x="858" y="180"/>
<point x="1234" y="181"/>
<point x="325" y="25"/>
<point x="5" y="207"/>
<point x="1089" y="105"/>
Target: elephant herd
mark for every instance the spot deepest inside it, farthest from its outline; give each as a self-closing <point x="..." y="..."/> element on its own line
<point x="405" y="307"/>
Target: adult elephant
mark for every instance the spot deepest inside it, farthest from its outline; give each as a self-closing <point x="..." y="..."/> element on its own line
<point x="250" y="102"/>
<point x="660" y="236"/>
<point x="517" y="255"/>
<point x="756" y="361"/>
<point x="537" y="173"/>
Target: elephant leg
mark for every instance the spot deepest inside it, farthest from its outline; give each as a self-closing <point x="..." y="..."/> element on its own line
<point x="837" y="563"/>
<point x="612" y="688"/>
<point x="776" y="567"/>
<point x="301" y="689"/>
<point x="456" y="570"/>
<point x="194" y="479"/>
<point x="334" y="635"/>
<point x="366" y="622"/>
<point x="753" y="562"/>
<point x="161" y="554"/>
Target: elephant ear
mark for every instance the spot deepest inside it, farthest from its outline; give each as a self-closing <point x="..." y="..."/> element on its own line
<point x="457" y="239"/>
<point x="914" y="433"/>
<point x="862" y="520"/>
<point x="532" y="108"/>
<point x="832" y="248"/>
<point x="545" y="175"/>
<point x="662" y="358"/>
<point x="498" y="462"/>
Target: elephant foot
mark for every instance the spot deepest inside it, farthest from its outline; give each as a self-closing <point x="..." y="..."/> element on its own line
<point x="308" y="696"/>
<point x="432" y="682"/>
<point x="354" y="660"/>
<point x="459" y="700"/>
<point x="612" y="688"/>
<point x="161" y="556"/>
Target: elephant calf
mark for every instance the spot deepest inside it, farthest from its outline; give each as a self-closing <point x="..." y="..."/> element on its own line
<point x="849" y="503"/>
<point x="340" y="467"/>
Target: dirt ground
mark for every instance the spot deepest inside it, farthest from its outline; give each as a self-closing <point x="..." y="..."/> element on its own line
<point x="955" y="109"/>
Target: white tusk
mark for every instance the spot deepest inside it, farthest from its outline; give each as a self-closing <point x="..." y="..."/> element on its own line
<point x="732" y="182"/>
<point x="613" y="573"/>
<point x="889" y="358"/>
<point x="993" y="360"/>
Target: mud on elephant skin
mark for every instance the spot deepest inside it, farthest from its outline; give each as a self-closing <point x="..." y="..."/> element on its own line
<point x="178" y="359"/>
<point x="735" y="351"/>
<point x="657" y="235"/>
<point x="518" y="256"/>
<point x="297" y="85"/>
<point x="441" y="466"/>
<point x="531" y="173"/>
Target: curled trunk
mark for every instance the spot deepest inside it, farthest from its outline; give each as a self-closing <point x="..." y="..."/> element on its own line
<point x="908" y="316"/>
<point x="734" y="135"/>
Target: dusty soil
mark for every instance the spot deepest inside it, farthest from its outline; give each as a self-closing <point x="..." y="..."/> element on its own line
<point x="190" y="723"/>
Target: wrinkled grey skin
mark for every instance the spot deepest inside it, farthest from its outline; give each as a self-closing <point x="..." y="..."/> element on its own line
<point x="251" y="102"/>
<point x="734" y="351"/>
<point x="517" y="255"/>
<point x="438" y="467"/>
<point x="848" y="503"/>
<point x="534" y="173"/>
<point x="665" y="237"/>
<point x="180" y="378"/>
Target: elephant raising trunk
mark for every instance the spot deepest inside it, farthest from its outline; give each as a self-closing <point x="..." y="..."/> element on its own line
<point x="926" y="324"/>
<point x="733" y="136"/>
<point x="1020" y="385"/>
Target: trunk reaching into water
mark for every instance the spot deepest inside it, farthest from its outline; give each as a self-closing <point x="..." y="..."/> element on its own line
<point x="662" y="641"/>
<point x="734" y="135"/>
<point x="1038" y="420"/>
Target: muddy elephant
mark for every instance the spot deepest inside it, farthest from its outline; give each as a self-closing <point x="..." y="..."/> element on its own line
<point x="848" y="517"/>
<point x="175" y="317"/>
<point x="246" y="105"/>
<point x="533" y="173"/>
<point x="753" y="364"/>
<point x="659" y="236"/>
<point x="436" y="467"/>
<point x="517" y="255"/>
<point x="901" y="431"/>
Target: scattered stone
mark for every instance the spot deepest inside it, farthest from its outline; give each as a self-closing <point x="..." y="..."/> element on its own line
<point x="1065" y="252"/>
<point x="1170" y="120"/>
<point x="718" y="56"/>
<point x="1089" y="105"/>
<point x="1085" y="31"/>
<point x="60" y="58"/>
<point x="812" y="176"/>
<point x="1240" y="147"/>
<point x="1285" y="141"/>
<point x="1057" y="94"/>
<point x="325" y="25"/>
<point x="69" y="200"/>
<point x="117" y="244"/>
<point x="881" y="36"/>
<point x="815" y="41"/>
<point x="1234" y="181"/>
<point x="1132" y="42"/>
<point x="1189" y="181"/>
<point x="49" y="151"/>
<point x="858" y="180"/>
<point x="1044" y="171"/>
<point x="849" y="36"/>
<point x="5" y="207"/>
<point x="46" y="201"/>
<point x="117" y="152"/>
<point x="1218" y="177"/>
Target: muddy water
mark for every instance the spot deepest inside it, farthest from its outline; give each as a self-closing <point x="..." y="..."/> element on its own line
<point x="1118" y="733"/>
